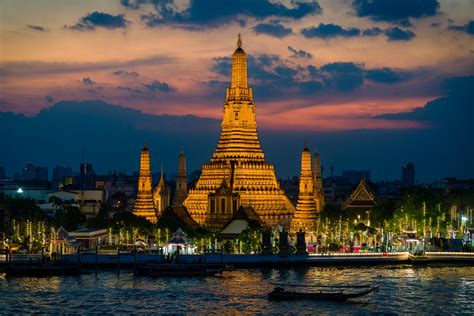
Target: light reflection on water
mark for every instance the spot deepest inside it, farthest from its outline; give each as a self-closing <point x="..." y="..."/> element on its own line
<point x="403" y="289"/>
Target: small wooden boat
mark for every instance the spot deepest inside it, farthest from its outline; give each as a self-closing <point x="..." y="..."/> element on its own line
<point x="42" y="270"/>
<point x="323" y="295"/>
<point x="179" y="269"/>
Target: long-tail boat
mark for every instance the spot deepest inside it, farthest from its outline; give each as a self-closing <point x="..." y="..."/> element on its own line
<point x="280" y="293"/>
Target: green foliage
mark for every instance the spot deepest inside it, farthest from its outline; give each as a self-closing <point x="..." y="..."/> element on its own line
<point x="70" y="217"/>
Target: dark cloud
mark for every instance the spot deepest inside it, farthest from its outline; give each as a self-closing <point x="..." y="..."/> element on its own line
<point x="456" y="110"/>
<point x="88" y="81"/>
<point x="272" y="28"/>
<point x="298" y="53"/>
<point x="158" y="86"/>
<point x="329" y="31"/>
<point x="200" y="14"/>
<point x="49" y="99"/>
<point x="125" y="73"/>
<point x="374" y="31"/>
<point x="398" y="34"/>
<point x="395" y="10"/>
<point x="386" y="75"/>
<point x="468" y="28"/>
<point x="342" y="76"/>
<point x="271" y="75"/>
<point x="38" y="28"/>
<point x="405" y="23"/>
<point x="100" y="19"/>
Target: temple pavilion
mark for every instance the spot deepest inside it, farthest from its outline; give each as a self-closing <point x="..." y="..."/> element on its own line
<point x="238" y="173"/>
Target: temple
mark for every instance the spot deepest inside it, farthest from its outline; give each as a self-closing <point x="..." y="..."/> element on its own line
<point x="181" y="191"/>
<point x="161" y="196"/>
<point x="361" y="199"/>
<point x="306" y="212"/>
<point x="144" y="205"/>
<point x="238" y="174"/>
<point x="318" y="182"/>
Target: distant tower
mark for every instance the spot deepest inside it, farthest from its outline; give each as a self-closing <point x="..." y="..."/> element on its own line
<point x="161" y="196"/>
<point x="408" y="175"/>
<point x="181" y="183"/>
<point x="144" y="205"/>
<point x="306" y="214"/>
<point x="318" y="182"/>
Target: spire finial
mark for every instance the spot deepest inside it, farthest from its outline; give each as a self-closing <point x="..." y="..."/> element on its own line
<point x="239" y="42"/>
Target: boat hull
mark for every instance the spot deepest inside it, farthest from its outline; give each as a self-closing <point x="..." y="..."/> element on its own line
<point x="318" y="296"/>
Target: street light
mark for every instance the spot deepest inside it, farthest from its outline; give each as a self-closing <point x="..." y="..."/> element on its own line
<point x="20" y="190"/>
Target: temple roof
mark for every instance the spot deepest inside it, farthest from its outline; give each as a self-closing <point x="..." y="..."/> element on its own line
<point x="361" y="197"/>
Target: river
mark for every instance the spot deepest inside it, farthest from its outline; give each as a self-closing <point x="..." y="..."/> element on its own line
<point x="403" y="289"/>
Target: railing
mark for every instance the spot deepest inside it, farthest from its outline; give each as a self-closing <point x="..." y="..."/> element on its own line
<point x="360" y="254"/>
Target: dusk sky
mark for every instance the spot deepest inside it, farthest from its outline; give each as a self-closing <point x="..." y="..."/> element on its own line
<point x="316" y="66"/>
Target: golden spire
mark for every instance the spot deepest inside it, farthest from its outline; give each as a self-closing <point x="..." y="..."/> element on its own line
<point x="239" y="67"/>
<point x="162" y="180"/>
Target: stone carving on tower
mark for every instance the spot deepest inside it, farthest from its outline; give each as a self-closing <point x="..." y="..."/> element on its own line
<point x="238" y="173"/>
<point x="318" y="182"/>
<point x="161" y="195"/>
<point x="306" y="213"/>
<point x="181" y="182"/>
<point x="144" y="205"/>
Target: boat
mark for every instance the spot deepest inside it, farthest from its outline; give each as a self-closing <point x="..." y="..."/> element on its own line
<point x="42" y="270"/>
<point x="281" y="294"/>
<point x="179" y="269"/>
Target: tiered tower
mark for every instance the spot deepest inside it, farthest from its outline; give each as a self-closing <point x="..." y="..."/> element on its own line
<point x="144" y="205"/>
<point x="161" y="196"/>
<point x="238" y="173"/>
<point x="181" y="182"/>
<point x="306" y="212"/>
<point x="318" y="182"/>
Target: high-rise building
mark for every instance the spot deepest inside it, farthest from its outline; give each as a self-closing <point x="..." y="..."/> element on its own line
<point x="144" y="205"/>
<point x="161" y="195"/>
<point x="3" y="174"/>
<point x="86" y="177"/>
<point x="408" y="175"/>
<point x="318" y="182"/>
<point x="238" y="173"/>
<point x="306" y="214"/>
<point x="181" y="182"/>
<point x="32" y="172"/>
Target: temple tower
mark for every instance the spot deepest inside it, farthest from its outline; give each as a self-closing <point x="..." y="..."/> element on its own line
<point x="161" y="195"/>
<point x="318" y="182"/>
<point x="144" y="205"/>
<point x="306" y="212"/>
<point x="238" y="173"/>
<point x="181" y="182"/>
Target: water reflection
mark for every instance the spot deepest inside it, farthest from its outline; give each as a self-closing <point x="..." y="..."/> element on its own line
<point x="403" y="290"/>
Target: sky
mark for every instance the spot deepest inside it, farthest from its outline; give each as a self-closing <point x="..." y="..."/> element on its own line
<point x="326" y="66"/>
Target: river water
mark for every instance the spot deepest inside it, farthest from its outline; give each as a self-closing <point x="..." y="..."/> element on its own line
<point x="403" y="289"/>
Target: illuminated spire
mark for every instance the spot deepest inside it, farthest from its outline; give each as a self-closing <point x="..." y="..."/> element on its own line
<point x="239" y="67"/>
<point x="144" y="205"/>
<point x="162" y="180"/>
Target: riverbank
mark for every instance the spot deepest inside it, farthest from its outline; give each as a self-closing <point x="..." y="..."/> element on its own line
<point x="126" y="260"/>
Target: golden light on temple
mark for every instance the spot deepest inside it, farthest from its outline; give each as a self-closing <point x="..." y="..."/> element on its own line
<point x="306" y="208"/>
<point x="144" y="205"/>
<point x="238" y="173"/>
